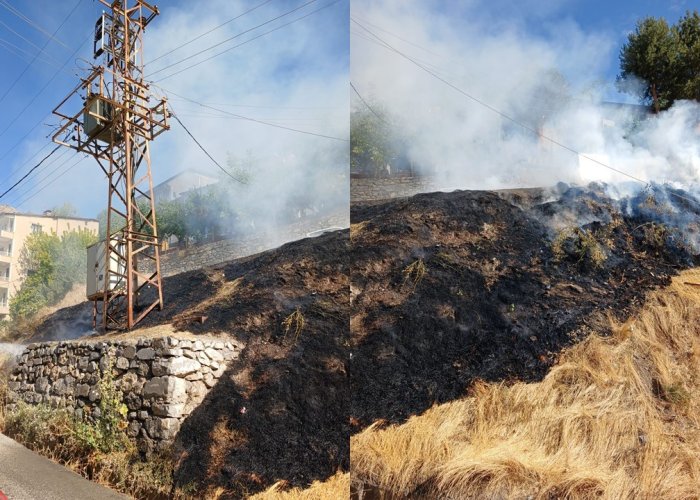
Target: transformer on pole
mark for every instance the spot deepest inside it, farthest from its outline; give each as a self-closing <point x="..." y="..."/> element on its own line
<point x="112" y="116"/>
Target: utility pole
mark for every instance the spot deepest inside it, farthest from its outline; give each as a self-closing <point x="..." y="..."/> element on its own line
<point x="116" y="119"/>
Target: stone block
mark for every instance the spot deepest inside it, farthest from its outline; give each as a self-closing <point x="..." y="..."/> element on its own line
<point x="168" y="410"/>
<point x="162" y="428"/>
<point x="209" y="380"/>
<point x="203" y="358"/>
<point x="122" y="363"/>
<point x="213" y="354"/>
<point x="129" y="352"/>
<point x="177" y="366"/>
<point x="171" y="389"/>
<point x="146" y="353"/>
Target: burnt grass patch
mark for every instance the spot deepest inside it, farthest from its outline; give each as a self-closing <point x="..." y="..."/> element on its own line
<point x="279" y="412"/>
<point x="508" y="280"/>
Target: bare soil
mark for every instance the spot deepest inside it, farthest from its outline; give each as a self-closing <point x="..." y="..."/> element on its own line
<point x="448" y="288"/>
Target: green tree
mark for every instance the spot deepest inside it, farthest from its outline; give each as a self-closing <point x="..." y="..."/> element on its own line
<point x="688" y="29"/>
<point x="65" y="210"/>
<point x="371" y="140"/>
<point x="650" y="55"/>
<point x="52" y="265"/>
<point x="665" y="58"/>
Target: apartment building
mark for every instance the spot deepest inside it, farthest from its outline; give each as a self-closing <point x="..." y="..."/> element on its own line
<point x="15" y="227"/>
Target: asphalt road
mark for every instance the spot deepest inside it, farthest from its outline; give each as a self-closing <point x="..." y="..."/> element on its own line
<point x="24" y="475"/>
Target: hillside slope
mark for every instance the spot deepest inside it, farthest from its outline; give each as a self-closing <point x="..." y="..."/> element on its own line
<point x="280" y="411"/>
<point x="449" y="288"/>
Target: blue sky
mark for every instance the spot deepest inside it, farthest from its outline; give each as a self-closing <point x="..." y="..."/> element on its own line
<point x="296" y="77"/>
<point x="611" y="19"/>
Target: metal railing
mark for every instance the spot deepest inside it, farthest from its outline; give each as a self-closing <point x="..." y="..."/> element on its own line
<point x="6" y="253"/>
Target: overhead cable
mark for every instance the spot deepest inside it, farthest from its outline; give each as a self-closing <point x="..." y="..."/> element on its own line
<point x="252" y="119"/>
<point x="150" y="75"/>
<point x="9" y="190"/>
<point x="207" y="32"/>
<point x="205" y="151"/>
<point x="26" y="68"/>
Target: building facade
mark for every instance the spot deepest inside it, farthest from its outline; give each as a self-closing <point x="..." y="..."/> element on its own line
<point x="15" y="227"/>
<point x="181" y="184"/>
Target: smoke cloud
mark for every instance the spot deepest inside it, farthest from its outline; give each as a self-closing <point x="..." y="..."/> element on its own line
<point x="547" y="81"/>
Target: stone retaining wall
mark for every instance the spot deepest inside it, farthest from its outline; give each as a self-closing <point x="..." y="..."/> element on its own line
<point x="162" y="380"/>
<point x="178" y="260"/>
<point x="379" y="188"/>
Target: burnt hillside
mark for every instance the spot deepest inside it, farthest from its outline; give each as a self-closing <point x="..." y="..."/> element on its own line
<point x="447" y="288"/>
<point x="280" y="411"/>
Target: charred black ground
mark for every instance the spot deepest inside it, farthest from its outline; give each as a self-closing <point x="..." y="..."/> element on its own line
<point x="447" y="288"/>
<point x="279" y="412"/>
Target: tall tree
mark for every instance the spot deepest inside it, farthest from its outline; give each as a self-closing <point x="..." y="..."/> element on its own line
<point x="665" y="58"/>
<point x="650" y="55"/>
<point x="688" y="29"/>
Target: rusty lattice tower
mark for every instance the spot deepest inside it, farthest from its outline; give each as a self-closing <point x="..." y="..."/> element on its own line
<point x="116" y="119"/>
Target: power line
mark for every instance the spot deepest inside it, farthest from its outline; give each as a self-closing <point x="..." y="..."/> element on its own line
<point x="13" y="10"/>
<point x="205" y="151"/>
<point x="19" y="77"/>
<point x="398" y="37"/>
<point x="27" y="188"/>
<point x="24" y="54"/>
<point x="235" y="105"/>
<point x="21" y="201"/>
<point x="248" y="41"/>
<point x="207" y="32"/>
<point x="253" y="119"/>
<point x="229" y="39"/>
<point x="19" y="35"/>
<point x="31" y="101"/>
<point x="367" y="105"/>
<point x="19" y="141"/>
<point x="30" y="171"/>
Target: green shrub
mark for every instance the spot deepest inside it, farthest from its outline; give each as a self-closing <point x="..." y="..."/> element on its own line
<point x="97" y="448"/>
<point x="106" y="432"/>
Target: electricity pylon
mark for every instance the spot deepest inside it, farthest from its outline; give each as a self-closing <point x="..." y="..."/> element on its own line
<point x="117" y="118"/>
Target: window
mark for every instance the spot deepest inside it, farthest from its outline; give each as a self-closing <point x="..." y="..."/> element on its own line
<point x="36" y="228"/>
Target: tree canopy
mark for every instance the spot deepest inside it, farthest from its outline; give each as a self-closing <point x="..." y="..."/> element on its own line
<point x="371" y="140"/>
<point x="665" y="59"/>
<point x="53" y="264"/>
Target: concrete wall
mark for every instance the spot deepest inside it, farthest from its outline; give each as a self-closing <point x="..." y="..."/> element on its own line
<point x="371" y="188"/>
<point x="176" y="260"/>
<point x="162" y="380"/>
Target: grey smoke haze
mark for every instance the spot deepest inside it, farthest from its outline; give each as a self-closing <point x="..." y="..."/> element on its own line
<point x="549" y="84"/>
<point x="12" y="349"/>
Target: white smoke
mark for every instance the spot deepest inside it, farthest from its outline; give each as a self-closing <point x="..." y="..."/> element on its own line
<point x="548" y="82"/>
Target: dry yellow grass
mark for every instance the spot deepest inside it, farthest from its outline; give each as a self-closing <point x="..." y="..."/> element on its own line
<point x="616" y="418"/>
<point x="335" y="487"/>
<point x="224" y="294"/>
